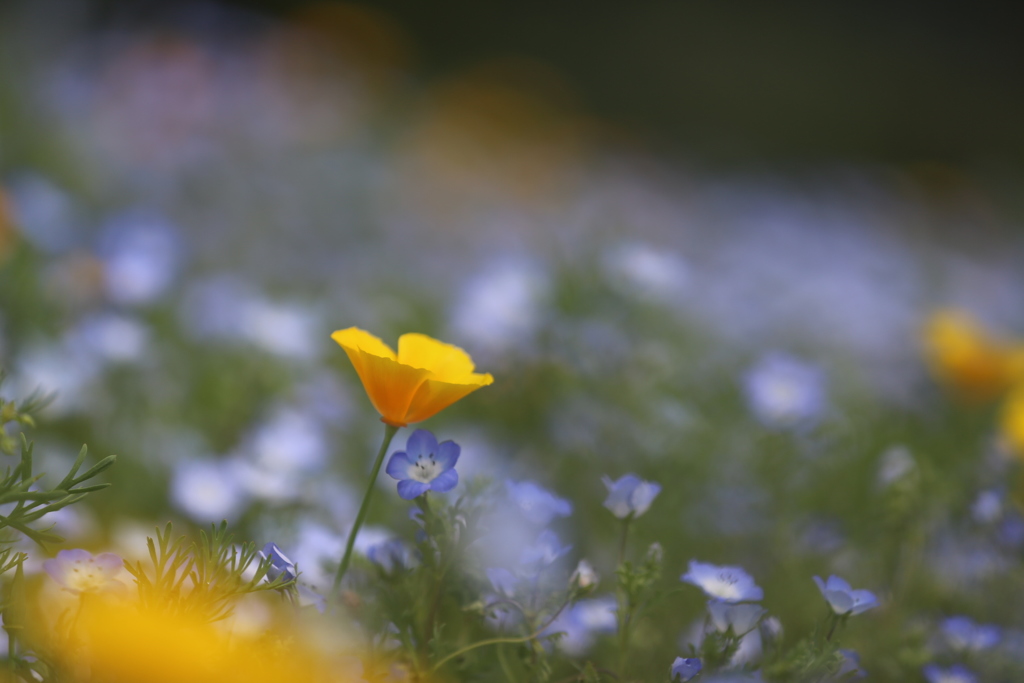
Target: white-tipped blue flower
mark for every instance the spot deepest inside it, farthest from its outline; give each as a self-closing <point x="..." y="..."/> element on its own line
<point x="963" y="634"/>
<point x="954" y="674"/>
<point x="728" y="584"/>
<point x="280" y="565"/>
<point x="843" y="599"/>
<point x="741" y="619"/>
<point x="424" y="465"/>
<point x="79" y="571"/>
<point x="785" y="392"/>
<point x="630" y="496"/>
<point x="685" y="668"/>
<point x="537" y="504"/>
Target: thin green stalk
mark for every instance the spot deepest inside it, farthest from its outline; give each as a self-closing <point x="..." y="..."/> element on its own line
<point x="498" y="641"/>
<point x="364" y="508"/>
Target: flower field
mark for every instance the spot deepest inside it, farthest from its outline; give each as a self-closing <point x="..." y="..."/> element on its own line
<point x="318" y="368"/>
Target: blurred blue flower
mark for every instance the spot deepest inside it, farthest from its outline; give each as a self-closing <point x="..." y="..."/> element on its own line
<point x="963" y="634"/>
<point x="987" y="507"/>
<point x="850" y="669"/>
<point x="785" y="392"/>
<point x="207" y="490"/>
<point x="954" y="674"/>
<point x="583" y="621"/>
<point x="280" y="565"/>
<point x="630" y="496"/>
<point x="391" y="554"/>
<point x="728" y="584"/>
<point x="309" y="596"/>
<point x="546" y="550"/>
<point x="537" y="504"/>
<point x="425" y="465"/>
<point x="79" y="571"/>
<point x="741" y="619"/>
<point x="141" y="254"/>
<point x="503" y="580"/>
<point x="683" y="669"/>
<point x="843" y="599"/>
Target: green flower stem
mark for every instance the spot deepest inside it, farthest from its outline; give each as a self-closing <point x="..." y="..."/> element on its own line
<point x="624" y="538"/>
<point x="364" y="508"/>
<point x="499" y="641"/>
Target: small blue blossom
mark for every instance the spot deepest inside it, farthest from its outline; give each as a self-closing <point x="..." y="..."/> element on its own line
<point x="963" y="634"/>
<point x="583" y="621"/>
<point x="850" y="669"/>
<point x="843" y="599"/>
<point x="954" y="674"/>
<point x="79" y="571"/>
<point x="537" y="504"/>
<point x="546" y="550"/>
<point x="785" y="392"/>
<point x="425" y="465"/>
<point x="683" y="669"/>
<point x="728" y="584"/>
<point x="391" y="554"/>
<point x="503" y="580"/>
<point x="280" y="565"/>
<point x="741" y="619"/>
<point x="630" y="496"/>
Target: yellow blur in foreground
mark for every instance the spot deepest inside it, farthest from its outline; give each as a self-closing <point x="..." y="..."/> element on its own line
<point x="966" y="357"/>
<point x="422" y="379"/>
<point x="115" y="642"/>
<point x="1011" y="421"/>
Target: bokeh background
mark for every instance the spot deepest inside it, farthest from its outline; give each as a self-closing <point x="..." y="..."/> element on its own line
<point x="693" y="241"/>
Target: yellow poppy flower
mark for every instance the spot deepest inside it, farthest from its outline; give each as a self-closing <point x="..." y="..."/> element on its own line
<point x="117" y="642"/>
<point x="968" y="358"/>
<point x="1011" y="421"/>
<point x="422" y="379"/>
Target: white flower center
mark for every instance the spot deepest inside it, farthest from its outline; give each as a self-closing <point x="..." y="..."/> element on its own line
<point x="724" y="586"/>
<point x="86" y="576"/>
<point x="425" y="469"/>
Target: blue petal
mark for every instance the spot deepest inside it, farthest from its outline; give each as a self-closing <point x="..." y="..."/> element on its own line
<point x="398" y="466"/>
<point x="447" y="454"/>
<point x="421" y="442"/>
<point x="445" y="481"/>
<point x="410" y="489"/>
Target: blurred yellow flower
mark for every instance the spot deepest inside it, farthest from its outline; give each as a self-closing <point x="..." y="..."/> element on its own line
<point x="1011" y="421"/>
<point x="966" y="357"/>
<point x="116" y="642"/>
<point x="422" y="379"/>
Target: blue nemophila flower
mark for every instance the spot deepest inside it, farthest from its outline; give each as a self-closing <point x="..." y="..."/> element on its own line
<point x="963" y="634"/>
<point x="537" y="504"/>
<point x="685" y="668"/>
<point x="391" y="554"/>
<point x="843" y="599"/>
<point x="424" y="465"/>
<point x="79" y="571"/>
<point x="850" y="669"/>
<point x="630" y="496"/>
<point x="742" y="619"/>
<point x="503" y="580"/>
<point x="784" y="391"/>
<point x="545" y="550"/>
<point x="728" y="584"/>
<point x="954" y="674"/>
<point x="279" y="563"/>
<point x="583" y="621"/>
